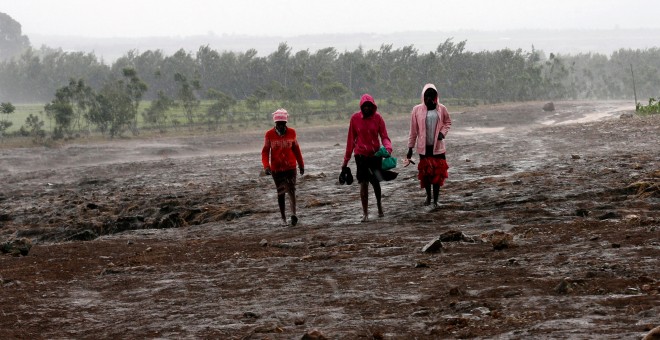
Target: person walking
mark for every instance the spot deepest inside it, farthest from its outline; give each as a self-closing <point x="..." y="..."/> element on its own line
<point x="279" y="156"/>
<point x="429" y="125"/>
<point x="366" y="131"/>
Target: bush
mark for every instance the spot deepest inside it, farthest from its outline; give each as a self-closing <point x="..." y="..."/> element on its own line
<point x="653" y="107"/>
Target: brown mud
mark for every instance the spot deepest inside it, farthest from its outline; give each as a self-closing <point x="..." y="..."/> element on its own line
<point x="180" y="237"/>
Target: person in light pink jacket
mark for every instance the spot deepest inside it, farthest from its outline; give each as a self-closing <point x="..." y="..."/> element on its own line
<point x="429" y="125"/>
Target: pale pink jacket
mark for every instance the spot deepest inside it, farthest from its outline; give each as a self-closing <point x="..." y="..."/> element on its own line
<point x="417" y="136"/>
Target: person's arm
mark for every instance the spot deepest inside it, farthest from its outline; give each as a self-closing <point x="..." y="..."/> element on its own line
<point x="265" y="154"/>
<point x="298" y="154"/>
<point x="350" y="144"/>
<point x="384" y="138"/>
<point x="446" y="122"/>
<point x="412" y="134"/>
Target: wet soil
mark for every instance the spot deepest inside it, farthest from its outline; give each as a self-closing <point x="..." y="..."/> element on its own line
<point x="181" y="237"/>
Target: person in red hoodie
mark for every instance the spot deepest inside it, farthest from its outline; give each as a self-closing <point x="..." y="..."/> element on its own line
<point x="429" y="125"/>
<point x="279" y="156"/>
<point x="364" y="130"/>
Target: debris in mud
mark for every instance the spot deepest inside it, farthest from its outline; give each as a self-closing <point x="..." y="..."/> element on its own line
<point x="16" y="247"/>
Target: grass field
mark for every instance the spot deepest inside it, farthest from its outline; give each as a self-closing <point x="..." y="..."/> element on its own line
<point x="317" y="112"/>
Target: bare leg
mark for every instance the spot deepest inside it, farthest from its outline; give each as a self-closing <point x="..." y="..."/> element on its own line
<point x="282" y="203"/>
<point x="292" y="200"/>
<point x="377" y="193"/>
<point x="364" y="197"/>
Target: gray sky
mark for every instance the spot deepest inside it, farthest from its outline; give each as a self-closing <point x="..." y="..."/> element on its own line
<point x="150" y="18"/>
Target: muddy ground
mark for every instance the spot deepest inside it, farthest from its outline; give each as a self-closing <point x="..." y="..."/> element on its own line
<point x="180" y="237"/>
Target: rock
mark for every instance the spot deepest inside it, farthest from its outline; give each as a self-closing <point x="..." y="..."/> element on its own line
<point x="654" y="334"/>
<point x="314" y="335"/>
<point x="452" y="236"/>
<point x="263" y="242"/>
<point x="423" y="312"/>
<point x="626" y="115"/>
<point x="575" y="156"/>
<point x="250" y="315"/>
<point x="481" y="311"/>
<point x="549" y="106"/>
<point x="582" y="212"/>
<point x="499" y="239"/>
<point x="456" y="291"/>
<point x="433" y="246"/>
<point x="563" y="287"/>
<point x="608" y="216"/>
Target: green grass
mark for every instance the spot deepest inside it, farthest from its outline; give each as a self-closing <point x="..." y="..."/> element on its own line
<point x="317" y="112"/>
<point x="21" y="113"/>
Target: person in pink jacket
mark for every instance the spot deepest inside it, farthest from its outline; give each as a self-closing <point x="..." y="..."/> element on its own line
<point x="364" y="131"/>
<point x="429" y="125"/>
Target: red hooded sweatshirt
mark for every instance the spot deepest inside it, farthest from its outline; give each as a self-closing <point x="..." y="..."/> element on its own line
<point x="364" y="133"/>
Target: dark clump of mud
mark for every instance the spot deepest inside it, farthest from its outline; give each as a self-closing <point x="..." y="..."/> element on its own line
<point x="548" y="227"/>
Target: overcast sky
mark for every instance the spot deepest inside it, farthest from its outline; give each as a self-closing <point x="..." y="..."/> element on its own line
<point x="149" y="18"/>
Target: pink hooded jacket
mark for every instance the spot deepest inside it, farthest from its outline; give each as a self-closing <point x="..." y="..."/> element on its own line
<point x="417" y="136"/>
<point x="363" y="133"/>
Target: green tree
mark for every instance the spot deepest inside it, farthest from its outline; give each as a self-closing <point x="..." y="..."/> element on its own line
<point x="79" y="95"/>
<point x="61" y="110"/>
<point x="187" y="95"/>
<point x="112" y="110"/>
<point x="253" y="102"/>
<point x="34" y="128"/>
<point x="220" y="107"/>
<point x="135" y="88"/>
<point x="12" y="41"/>
<point x="155" y="113"/>
<point x="6" y="108"/>
<point x="338" y="92"/>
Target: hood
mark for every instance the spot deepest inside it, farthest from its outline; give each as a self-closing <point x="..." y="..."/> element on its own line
<point x="429" y="86"/>
<point x="368" y="98"/>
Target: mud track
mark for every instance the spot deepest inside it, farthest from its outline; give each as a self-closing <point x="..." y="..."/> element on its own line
<point x="179" y="238"/>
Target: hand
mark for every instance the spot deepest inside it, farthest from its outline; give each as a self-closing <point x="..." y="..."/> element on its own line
<point x="302" y="171"/>
<point x="409" y="155"/>
<point x="441" y="136"/>
<point x="267" y="171"/>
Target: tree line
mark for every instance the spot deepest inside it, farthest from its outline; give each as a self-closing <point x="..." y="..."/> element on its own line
<point x="84" y="92"/>
<point x="488" y="76"/>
